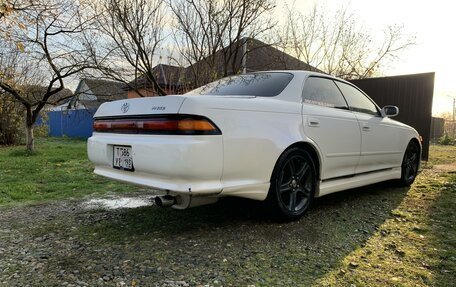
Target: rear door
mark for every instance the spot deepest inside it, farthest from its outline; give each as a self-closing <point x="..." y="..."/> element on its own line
<point x="332" y="126"/>
<point x="380" y="140"/>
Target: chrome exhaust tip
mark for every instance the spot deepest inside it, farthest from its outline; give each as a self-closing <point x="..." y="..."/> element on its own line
<point x="165" y="200"/>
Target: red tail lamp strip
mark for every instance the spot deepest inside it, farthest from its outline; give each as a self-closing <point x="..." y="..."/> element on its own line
<point x="162" y="125"/>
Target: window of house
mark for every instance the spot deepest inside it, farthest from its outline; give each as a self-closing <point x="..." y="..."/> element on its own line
<point x="323" y="92"/>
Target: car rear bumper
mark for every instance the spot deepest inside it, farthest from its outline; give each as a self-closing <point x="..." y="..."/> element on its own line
<point x="181" y="164"/>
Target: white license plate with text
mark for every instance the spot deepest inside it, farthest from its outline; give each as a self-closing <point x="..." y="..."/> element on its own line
<point x="122" y="158"/>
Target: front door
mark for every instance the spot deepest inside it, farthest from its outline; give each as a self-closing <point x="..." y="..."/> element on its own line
<point x="379" y="137"/>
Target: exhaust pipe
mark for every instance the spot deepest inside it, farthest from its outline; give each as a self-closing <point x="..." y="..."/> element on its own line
<point x="165" y="200"/>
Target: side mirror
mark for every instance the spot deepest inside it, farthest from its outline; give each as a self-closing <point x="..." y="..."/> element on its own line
<point x="390" y="111"/>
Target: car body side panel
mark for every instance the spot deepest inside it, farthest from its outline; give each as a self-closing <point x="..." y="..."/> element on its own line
<point x="383" y="142"/>
<point x="255" y="133"/>
<point x="331" y="186"/>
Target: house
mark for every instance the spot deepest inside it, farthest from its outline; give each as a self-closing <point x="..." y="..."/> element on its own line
<point x="74" y="118"/>
<point x="91" y="93"/>
<point x="247" y="55"/>
<point x="167" y="76"/>
<point x="264" y="57"/>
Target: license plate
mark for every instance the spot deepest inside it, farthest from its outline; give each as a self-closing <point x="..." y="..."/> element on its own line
<point x="122" y="158"/>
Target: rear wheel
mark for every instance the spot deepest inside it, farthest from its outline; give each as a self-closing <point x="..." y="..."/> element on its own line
<point x="410" y="164"/>
<point x="293" y="184"/>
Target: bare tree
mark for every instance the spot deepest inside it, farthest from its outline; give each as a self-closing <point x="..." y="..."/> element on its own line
<point x="5" y="8"/>
<point x="125" y="40"/>
<point x="43" y="50"/>
<point x="8" y="7"/>
<point x="209" y="34"/>
<point x="338" y="44"/>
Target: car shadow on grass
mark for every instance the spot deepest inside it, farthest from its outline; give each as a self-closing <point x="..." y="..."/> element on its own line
<point x="241" y="242"/>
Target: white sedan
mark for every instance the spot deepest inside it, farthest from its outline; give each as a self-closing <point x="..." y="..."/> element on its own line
<point x="281" y="136"/>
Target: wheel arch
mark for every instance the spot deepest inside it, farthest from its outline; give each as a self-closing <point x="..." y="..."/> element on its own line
<point x="272" y="196"/>
<point x="418" y="143"/>
<point x="405" y="180"/>
<point x="313" y="152"/>
<point x="415" y="140"/>
<point x="420" y="147"/>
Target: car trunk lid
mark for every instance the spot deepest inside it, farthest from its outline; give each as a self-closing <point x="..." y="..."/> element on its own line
<point x="141" y="106"/>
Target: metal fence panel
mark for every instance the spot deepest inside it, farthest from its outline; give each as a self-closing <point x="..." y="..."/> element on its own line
<point x="71" y="123"/>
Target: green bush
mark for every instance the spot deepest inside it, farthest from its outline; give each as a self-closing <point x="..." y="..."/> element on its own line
<point x="446" y="140"/>
<point x="11" y="121"/>
<point x="43" y="129"/>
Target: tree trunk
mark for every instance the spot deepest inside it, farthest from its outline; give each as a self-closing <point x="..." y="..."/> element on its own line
<point x="30" y="140"/>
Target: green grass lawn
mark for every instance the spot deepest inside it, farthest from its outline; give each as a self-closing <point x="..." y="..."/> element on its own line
<point x="58" y="169"/>
<point x="416" y="246"/>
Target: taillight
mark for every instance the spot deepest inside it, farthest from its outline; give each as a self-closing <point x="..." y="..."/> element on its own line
<point x="179" y="125"/>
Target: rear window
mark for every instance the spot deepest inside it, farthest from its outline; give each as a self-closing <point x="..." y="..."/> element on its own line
<point x="258" y="84"/>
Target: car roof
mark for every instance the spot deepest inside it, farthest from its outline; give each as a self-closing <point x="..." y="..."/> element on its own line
<point x="304" y="73"/>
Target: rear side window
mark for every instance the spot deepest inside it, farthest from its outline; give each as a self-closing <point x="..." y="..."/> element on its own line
<point x="357" y="101"/>
<point x="258" y="84"/>
<point x="323" y="92"/>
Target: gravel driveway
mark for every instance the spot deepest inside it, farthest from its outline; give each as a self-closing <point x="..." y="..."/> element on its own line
<point x="129" y="242"/>
<point x="231" y="243"/>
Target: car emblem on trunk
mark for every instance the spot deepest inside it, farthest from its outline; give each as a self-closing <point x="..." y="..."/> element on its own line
<point x="124" y="108"/>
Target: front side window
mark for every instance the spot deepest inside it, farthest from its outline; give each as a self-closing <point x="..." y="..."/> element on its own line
<point x="356" y="100"/>
<point x="257" y="84"/>
<point x="323" y="92"/>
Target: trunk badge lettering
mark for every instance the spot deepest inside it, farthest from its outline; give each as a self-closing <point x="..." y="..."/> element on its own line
<point x="125" y="107"/>
<point x="158" y="108"/>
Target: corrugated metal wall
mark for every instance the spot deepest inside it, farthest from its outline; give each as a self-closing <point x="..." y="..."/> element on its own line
<point x="71" y="123"/>
<point x="411" y="93"/>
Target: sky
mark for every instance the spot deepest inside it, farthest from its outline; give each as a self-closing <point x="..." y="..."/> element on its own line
<point x="431" y="22"/>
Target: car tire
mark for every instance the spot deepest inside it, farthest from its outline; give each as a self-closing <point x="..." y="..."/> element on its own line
<point x="293" y="184"/>
<point x="410" y="164"/>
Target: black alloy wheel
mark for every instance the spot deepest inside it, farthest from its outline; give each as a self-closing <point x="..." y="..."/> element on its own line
<point x="293" y="184"/>
<point x="410" y="164"/>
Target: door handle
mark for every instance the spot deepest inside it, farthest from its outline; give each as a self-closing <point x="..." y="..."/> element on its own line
<point x="366" y="128"/>
<point x="313" y="123"/>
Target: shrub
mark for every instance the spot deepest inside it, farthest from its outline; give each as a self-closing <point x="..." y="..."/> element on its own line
<point x="42" y="129"/>
<point x="11" y="121"/>
<point x="446" y="140"/>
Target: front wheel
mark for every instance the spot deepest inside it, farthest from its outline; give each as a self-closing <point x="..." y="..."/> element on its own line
<point x="293" y="184"/>
<point x="410" y="164"/>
